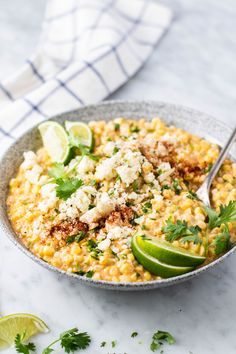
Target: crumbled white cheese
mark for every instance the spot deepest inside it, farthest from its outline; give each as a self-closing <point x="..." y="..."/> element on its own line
<point x="116" y="232"/>
<point x="105" y="244"/>
<point x="78" y="203"/>
<point x="106" y="169"/>
<point x="127" y="174"/>
<point x="150" y="140"/>
<point x="33" y="175"/>
<point x="169" y="138"/>
<point x="149" y="178"/>
<point x="109" y="148"/>
<point x="105" y="206"/>
<point x="165" y="175"/>
<point x="161" y="149"/>
<point x="86" y="165"/>
<point x="30" y="159"/>
<point x="130" y="169"/>
<point x="164" y="166"/>
<point x="49" y="197"/>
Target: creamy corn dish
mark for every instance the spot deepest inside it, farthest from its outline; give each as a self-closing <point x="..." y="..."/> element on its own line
<point x="133" y="177"/>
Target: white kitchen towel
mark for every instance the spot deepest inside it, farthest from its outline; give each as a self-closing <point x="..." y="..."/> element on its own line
<point x="87" y="49"/>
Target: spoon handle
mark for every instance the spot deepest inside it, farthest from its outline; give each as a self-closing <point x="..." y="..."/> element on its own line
<point x="220" y="159"/>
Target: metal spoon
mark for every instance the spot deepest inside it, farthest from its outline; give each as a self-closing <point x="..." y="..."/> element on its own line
<point x="203" y="191"/>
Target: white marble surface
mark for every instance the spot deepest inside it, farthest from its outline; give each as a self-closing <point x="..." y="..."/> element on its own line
<point x="193" y="65"/>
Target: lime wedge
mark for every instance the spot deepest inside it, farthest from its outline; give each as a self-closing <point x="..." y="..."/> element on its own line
<point x="153" y="265"/>
<point x="167" y="253"/>
<point x="55" y="140"/>
<point x="81" y="132"/>
<point x="20" y="323"/>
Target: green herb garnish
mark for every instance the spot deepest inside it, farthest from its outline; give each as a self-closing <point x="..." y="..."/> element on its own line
<point x="165" y="187"/>
<point x="227" y="214"/>
<point x="134" y="129"/>
<point x="117" y="127"/>
<point x="92" y="247"/>
<point x="70" y="341"/>
<point x="176" y="186"/>
<point x="147" y="207"/>
<point x="159" y="338"/>
<point x="66" y="187"/>
<point x="76" y="238"/>
<point x="192" y="195"/>
<point x="103" y="344"/>
<point x="222" y="241"/>
<point x="89" y="274"/>
<point x="21" y="347"/>
<point x="180" y="229"/>
<point x="134" y="334"/>
<point x="57" y="171"/>
<point x="115" y="150"/>
<point x="135" y="186"/>
<point x="209" y="167"/>
<point x="113" y="343"/>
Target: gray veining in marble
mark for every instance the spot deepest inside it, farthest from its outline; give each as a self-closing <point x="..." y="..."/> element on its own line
<point x="193" y="65"/>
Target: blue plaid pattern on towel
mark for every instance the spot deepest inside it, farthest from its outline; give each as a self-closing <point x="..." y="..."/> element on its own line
<point x="87" y="49"/>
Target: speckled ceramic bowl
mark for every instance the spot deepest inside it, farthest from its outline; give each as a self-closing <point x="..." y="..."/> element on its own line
<point x="191" y="120"/>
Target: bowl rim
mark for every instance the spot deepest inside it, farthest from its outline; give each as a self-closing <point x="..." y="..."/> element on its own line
<point x="145" y="285"/>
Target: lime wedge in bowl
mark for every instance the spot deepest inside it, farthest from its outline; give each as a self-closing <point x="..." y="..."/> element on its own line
<point x="20" y="323"/>
<point x="81" y="132"/>
<point x="56" y="141"/>
<point x="165" y="252"/>
<point x="153" y="265"/>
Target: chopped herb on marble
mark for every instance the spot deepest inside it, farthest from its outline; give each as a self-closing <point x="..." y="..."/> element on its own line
<point x="134" y="334"/>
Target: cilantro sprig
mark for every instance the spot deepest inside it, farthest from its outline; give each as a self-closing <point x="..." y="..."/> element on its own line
<point x="222" y="241"/>
<point x="226" y="214"/>
<point x="21" y="347"/>
<point x="65" y="185"/>
<point x="159" y="338"/>
<point x="180" y="229"/>
<point x="70" y="341"/>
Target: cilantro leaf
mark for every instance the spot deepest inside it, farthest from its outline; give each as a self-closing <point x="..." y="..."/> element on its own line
<point x="92" y="247"/>
<point x="117" y="127"/>
<point x="89" y="274"/>
<point x="159" y="338"/>
<point x="134" y="129"/>
<point x="176" y="186"/>
<point x="134" y="334"/>
<point x="147" y="207"/>
<point x="227" y="214"/>
<point x="174" y="230"/>
<point x="113" y="343"/>
<point x="181" y="229"/>
<point x="192" y="195"/>
<point x="103" y="344"/>
<point x="77" y="238"/>
<point x="135" y="185"/>
<point x="57" y="171"/>
<point x="222" y="241"/>
<point x="84" y="150"/>
<point x="21" y="347"/>
<point x="72" y="340"/>
<point x="66" y="187"/>
<point x="193" y="236"/>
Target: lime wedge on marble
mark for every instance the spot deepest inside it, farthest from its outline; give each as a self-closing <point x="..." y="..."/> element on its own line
<point x="20" y="323"/>
<point x="166" y="252"/>
<point x="153" y="265"/>
<point x="56" y="141"/>
<point x="81" y="132"/>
